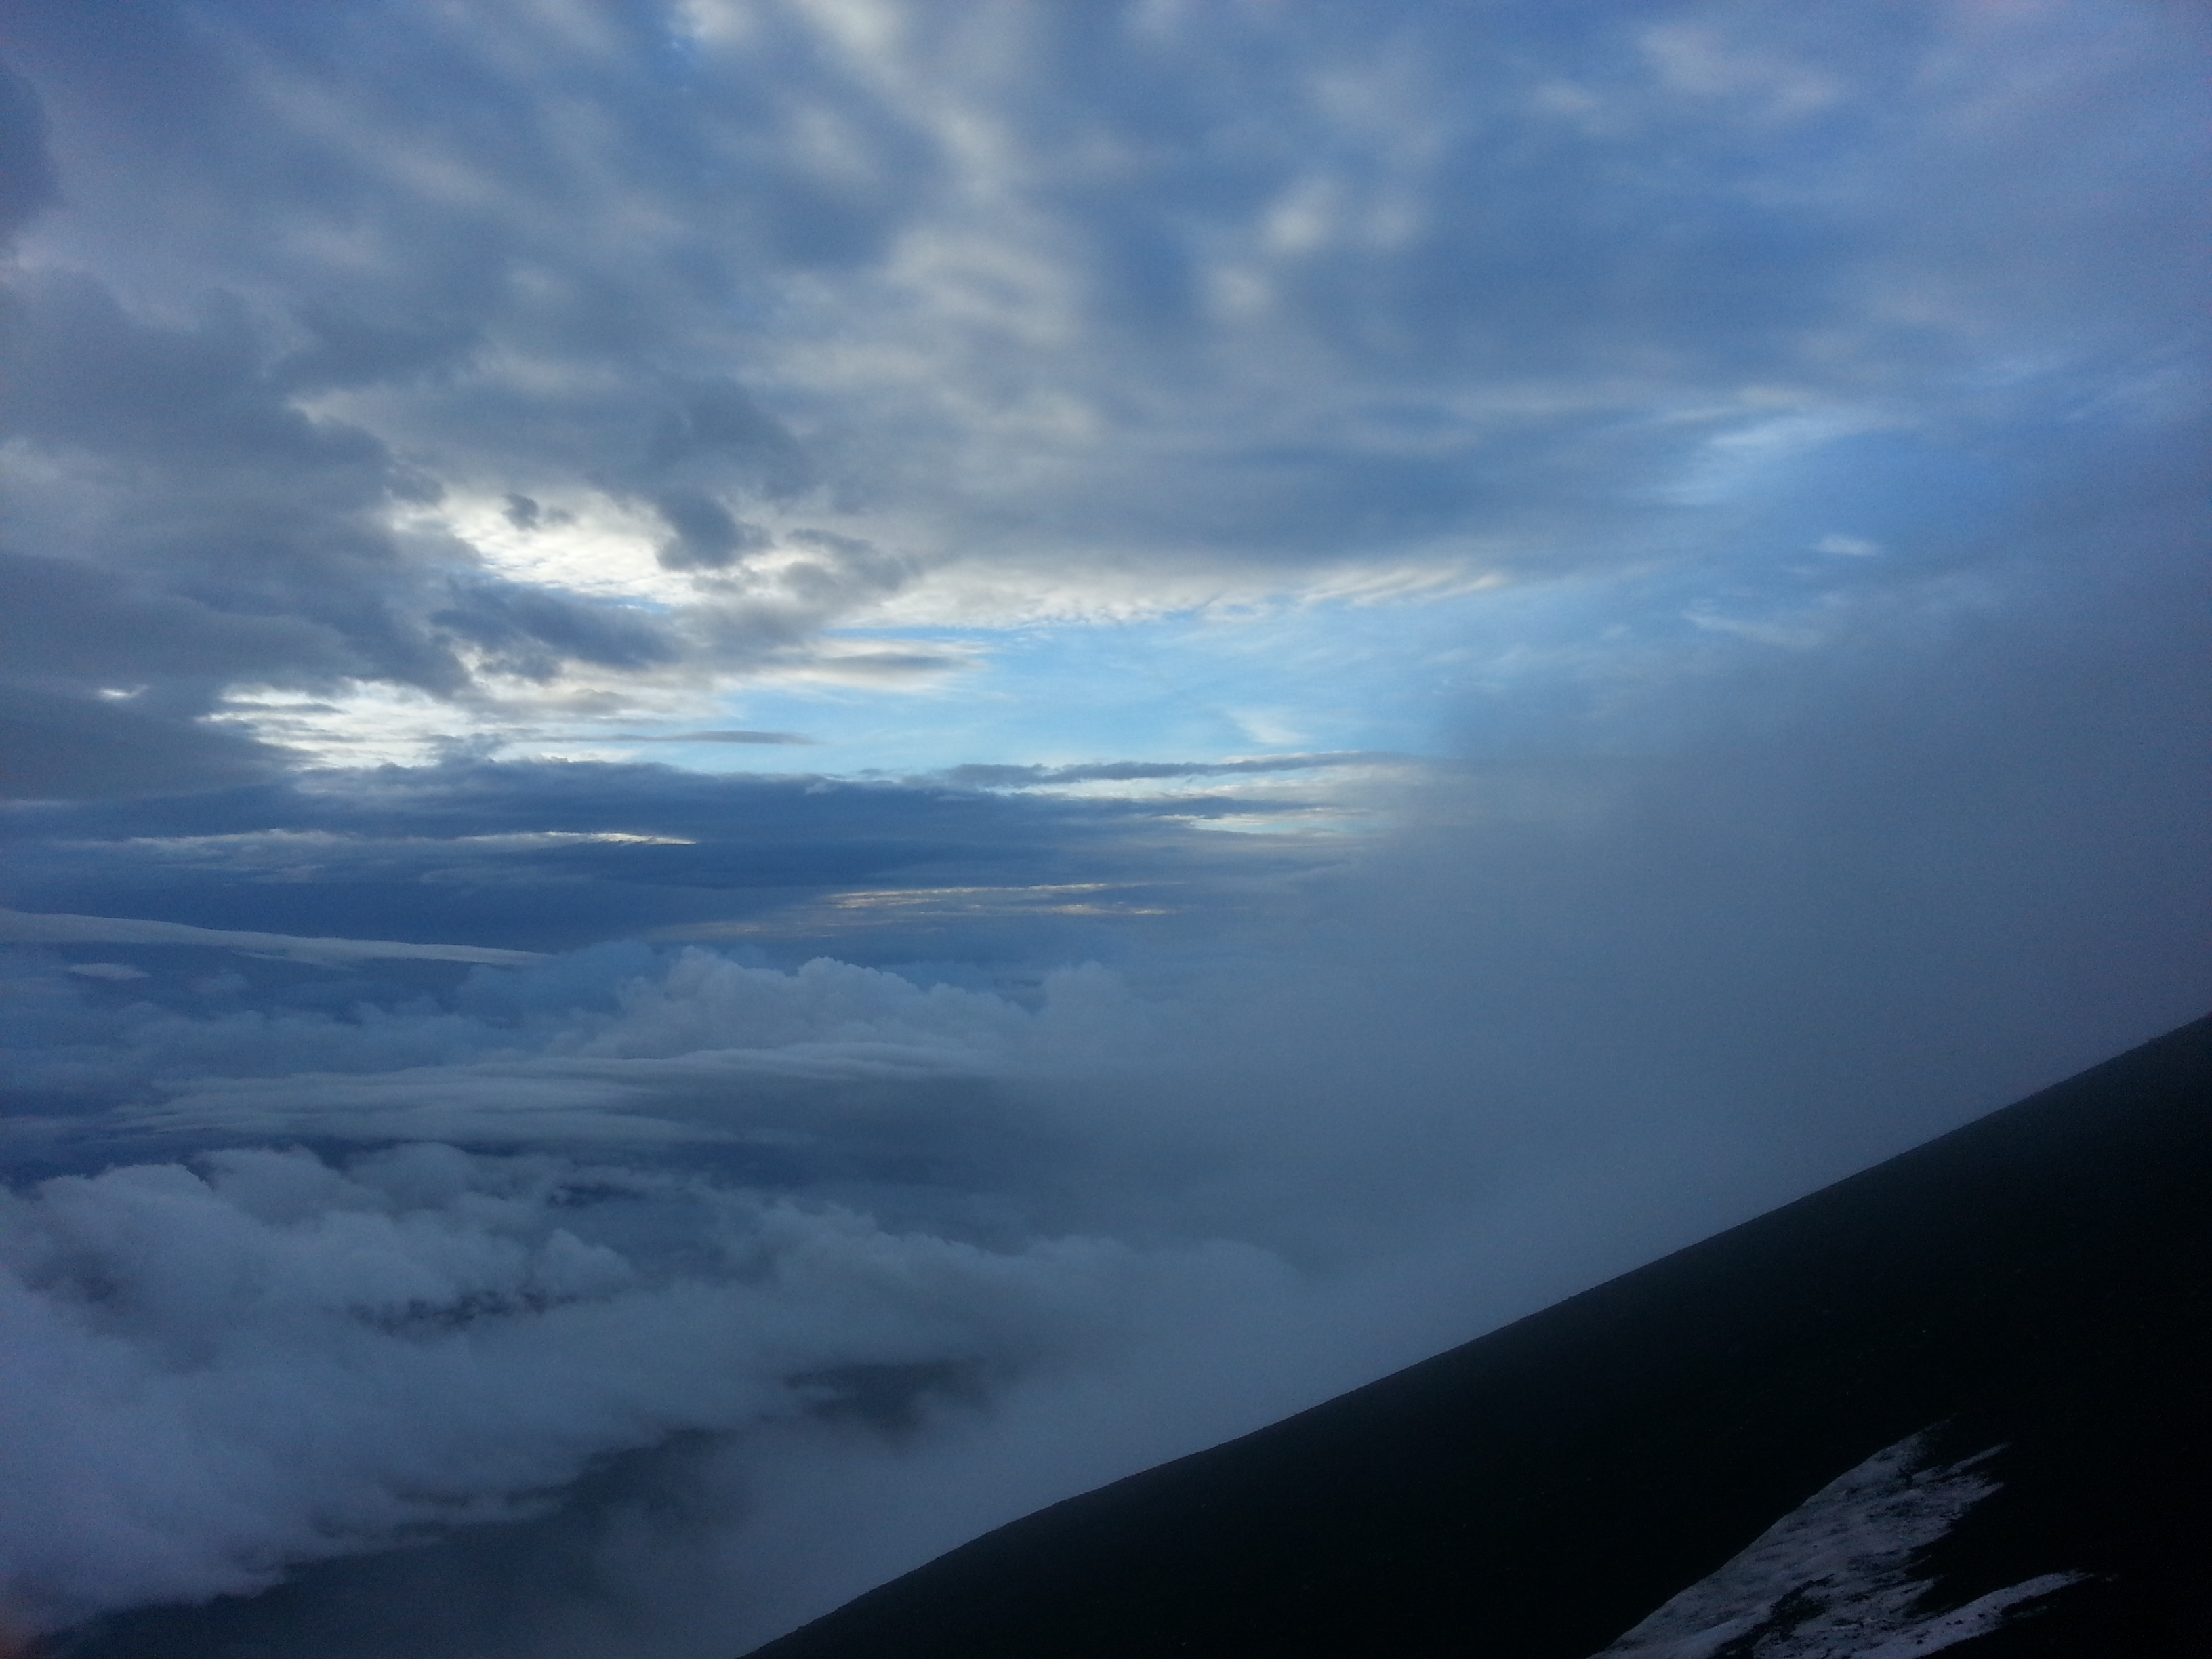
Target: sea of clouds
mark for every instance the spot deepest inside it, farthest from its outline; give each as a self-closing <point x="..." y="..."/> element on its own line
<point x="656" y="1297"/>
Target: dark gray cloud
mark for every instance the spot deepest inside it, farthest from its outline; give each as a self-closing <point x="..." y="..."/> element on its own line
<point x="69" y="624"/>
<point x="295" y="521"/>
<point x="557" y="855"/>
<point x="56" y="744"/>
<point x="708" y="537"/>
<point x="718" y="430"/>
<point x="196" y="531"/>
<point x="43" y="927"/>
<point x="27" y="171"/>
<point x="533" y="631"/>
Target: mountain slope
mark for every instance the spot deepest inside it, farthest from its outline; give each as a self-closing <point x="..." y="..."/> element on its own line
<point x="2014" y="1316"/>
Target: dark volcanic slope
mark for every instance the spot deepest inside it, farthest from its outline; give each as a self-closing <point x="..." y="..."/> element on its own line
<point x="2041" y="1280"/>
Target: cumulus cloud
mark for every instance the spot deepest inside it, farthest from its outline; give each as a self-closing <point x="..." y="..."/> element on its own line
<point x="699" y="1047"/>
<point x="223" y="1370"/>
<point x="867" y="1238"/>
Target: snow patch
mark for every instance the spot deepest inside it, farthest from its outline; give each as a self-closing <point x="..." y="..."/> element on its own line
<point x="1835" y="1578"/>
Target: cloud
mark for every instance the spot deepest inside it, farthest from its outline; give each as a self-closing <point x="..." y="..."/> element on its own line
<point x="975" y="776"/>
<point x="724" y="736"/>
<point x="1143" y="308"/>
<point x="384" y="1305"/>
<point x="25" y="163"/>
<point x="403" y="399"/>
<point x="714" y="428"/>
<point x="58" y="746"/>
<point x="532" y="856"/>
<point x="19" y="928"/>
<point x="437" y="1339"/>
<point x="530" y="632"/>
<point x="694" y="1048"/>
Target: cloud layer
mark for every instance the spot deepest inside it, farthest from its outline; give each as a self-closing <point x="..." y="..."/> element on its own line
<point x="234" y="1369"/>
<point x="882" y="319"/>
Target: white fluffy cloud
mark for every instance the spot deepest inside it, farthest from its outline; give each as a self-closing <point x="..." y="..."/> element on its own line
<point x="220" y="1371"/>
<point x="670" y="1061"/>
<point x="840" y="1241"/>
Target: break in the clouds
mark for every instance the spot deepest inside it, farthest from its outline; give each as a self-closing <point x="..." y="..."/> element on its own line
<point x="787" y="774"/>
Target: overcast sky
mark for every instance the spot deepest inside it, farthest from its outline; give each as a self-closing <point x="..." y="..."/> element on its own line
<point x="786" y="773"/>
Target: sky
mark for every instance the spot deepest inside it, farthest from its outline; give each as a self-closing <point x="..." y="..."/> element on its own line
<point x="783" y="773"/>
